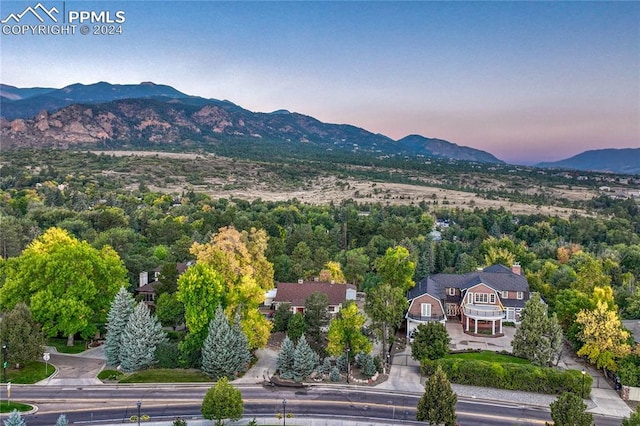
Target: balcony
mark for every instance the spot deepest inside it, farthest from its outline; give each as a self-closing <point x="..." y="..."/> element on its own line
<point x="425" y="319"/>
<point x="484" y="312"/>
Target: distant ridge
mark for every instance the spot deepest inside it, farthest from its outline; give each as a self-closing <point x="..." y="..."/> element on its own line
<point x="625" y="160"/>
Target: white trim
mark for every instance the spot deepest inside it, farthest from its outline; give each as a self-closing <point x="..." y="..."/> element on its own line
<point x="504" y="294"/>
<point x="425" y="309"/>
<point x="520" y="295"/>
<point x="452" y="291"/>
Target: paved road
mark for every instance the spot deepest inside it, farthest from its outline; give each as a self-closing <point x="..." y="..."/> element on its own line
<point x="76" y="369"/>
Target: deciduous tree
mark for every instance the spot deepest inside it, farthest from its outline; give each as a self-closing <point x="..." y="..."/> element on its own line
<point x="316" y="315"/>
<point x="67" y="284"/>
<point x="633" y="419"/>
<point x="385" y="305"/>
<point x="396" y="268"/>
<point x="122" y="306"/>
<point x="170" y="310"/>
<point x="141" y="336"/>
<point x="223" y="401"/>
<point x="605" y="340"/>
<point x="345" y="332"/>
<point x="569" y="410"/>
<point x="438" y="403"/>
<point x="430" y="341"/>
<point x="539" y="337"/>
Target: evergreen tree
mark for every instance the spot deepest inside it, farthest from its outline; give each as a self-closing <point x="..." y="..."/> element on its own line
<point x="140" y="337"/>
<point x="305" y="360"/>
<point x="121" y="309"/>
<point x="222" y="401"/>
<point x="225" y="351"/>
<point x="316" y="316"/>
<point x="14" y="419"/>
<point x="334" y="375"/>
<point x="569" y="410"/>
<point x="430" y="341"/>
<point x="296" y="327"/>
<point x="281" y="317"/>
<point x="285" y="358"/>
<point x="539" y="337"/>
<point x="438" y="403"/>
<point x="367" y="365"/>
<point x="62" y="420"/>
<point x="22" y="335"/>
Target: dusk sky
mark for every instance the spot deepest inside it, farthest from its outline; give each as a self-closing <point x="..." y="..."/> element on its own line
<point x="526" y="81"/>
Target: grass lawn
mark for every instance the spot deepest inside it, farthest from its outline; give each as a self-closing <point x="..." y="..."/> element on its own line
<point x="489" y="356"/>
<point x="166" y="375"/>
<point x="30" y="373"/>
<point x="61" y="346"/>
<point x="7" y="407"/>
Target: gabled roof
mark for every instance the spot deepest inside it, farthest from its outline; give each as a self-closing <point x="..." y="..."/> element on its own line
<point x="297" y="293"/>
<point x="498" y="277"/>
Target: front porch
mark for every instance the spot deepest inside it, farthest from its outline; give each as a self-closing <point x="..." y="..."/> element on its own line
<point x="483" y="317"/>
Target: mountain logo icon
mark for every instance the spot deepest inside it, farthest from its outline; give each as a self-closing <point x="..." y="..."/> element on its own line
<point x="38" y="11"/>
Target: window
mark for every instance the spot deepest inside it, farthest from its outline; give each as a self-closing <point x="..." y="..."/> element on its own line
<point x="482" y="298"/>
<point x="520" y="295"/>
<point x="425" y="309"/>
<point x="505" y="295"/>
<point x="492" y="298"/>
<point x="452" y="291"/>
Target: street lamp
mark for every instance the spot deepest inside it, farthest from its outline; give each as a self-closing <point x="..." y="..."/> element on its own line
<point x="582" y="393"/>
<point x="138" y="404"/>
<point x="284" y="412"/>
<point x="5" y="363"/>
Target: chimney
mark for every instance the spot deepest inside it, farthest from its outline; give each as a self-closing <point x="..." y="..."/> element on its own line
<point x="516" y="268"/>
<point x="144" y="278"/>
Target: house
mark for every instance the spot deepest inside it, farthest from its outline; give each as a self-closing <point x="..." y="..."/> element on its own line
<point x="297" y="293"/>
<point x="146" y="289"/>
<point x="480" y="300"/>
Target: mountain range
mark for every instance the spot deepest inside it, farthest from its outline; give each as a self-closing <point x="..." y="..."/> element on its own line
<point x="626" y="160"/>
<point x="153" y="115"/>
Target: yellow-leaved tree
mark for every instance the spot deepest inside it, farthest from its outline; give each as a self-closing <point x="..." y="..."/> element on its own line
<point x="605" y="341"/>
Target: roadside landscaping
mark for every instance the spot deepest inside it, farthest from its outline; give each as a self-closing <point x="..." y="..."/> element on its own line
<point x="7" y="407"/>
<point x="29" y="373"/>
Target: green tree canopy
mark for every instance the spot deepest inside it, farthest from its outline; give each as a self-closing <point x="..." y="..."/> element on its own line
<point x="438" y="403"/>
<point x="569" y="410"/>
<point x="22" y="335"/>
<point x="223" y="401"/>
<point x="430" y="341"/>
<point x="396" y="268"/>
<point x="539" y="337"/>
<point x="345" y="332"/>
<point x="385" y="305"/>
<point x="67" y="283"/>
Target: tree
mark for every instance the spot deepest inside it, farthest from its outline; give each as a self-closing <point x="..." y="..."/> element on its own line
<point x="345" y="332"/>
<point x="438" y="403"/>
<point x="305" y="360"/>
<point x="296" y="327"/>
<point x="430" y="341"/>
<point x="141" y="336"/>
<point x="356" y="265"/>
<point x="223" y="401"/>
<point x="569" y="410"/>
<point x="122" y="306"/>
<point x="316" y="315"/>
<point x="225" y="352"/>
<point x="539" y="337"/>
<point x="22" y="335"/>
<point x="62" y="420"/>
<point x="332" y="272"/>
<point x="168" y="279"/>
<point x="396" y="268"/>
<point x="634" y="419"/>
<point x="285" y="359"/>
<point x="170" y="310"/>
<point x="281" y="317"/>
<point x="233" y="271"/>
<point x="385" y="305"/>
<point x="14" y="419"/>
<point x="605" y="340"/>
<point x="67" y="284"/>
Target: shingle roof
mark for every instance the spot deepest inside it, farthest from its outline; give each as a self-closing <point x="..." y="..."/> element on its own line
<point x="498" y="277"/>
<point x="297" y="293"/>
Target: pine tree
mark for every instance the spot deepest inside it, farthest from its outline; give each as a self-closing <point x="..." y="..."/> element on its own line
<point x="121" y="309"/>
<point x="438" y="403"/>
<point x="14" y="419"/>
<point x="62" y="420"/>
<point x="141" y="336"/>
<point x="539" y="337"/>
<point x="285" y="358"/>
<point x="569" y="410"/>
<point x="225" y="351"/>
<point x="305" y="360"/>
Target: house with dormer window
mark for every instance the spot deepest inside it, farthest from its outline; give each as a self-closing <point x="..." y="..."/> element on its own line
<point x="480" y="300"/>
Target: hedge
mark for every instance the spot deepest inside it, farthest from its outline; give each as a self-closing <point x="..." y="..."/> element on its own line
<point x="522" y="377"/>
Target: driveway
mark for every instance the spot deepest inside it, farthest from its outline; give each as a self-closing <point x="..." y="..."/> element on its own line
<point x="75" y="369"/>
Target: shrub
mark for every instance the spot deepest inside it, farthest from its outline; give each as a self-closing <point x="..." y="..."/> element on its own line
<point x="521" y="377"/>
<point x="168" y="355"/>
<point x="178" y="421"/>
<point x="110" y="375"/>
<point x="334" y="376"/>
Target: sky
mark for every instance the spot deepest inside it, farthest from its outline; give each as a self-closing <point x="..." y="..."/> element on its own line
<point x="525" y="81"/>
